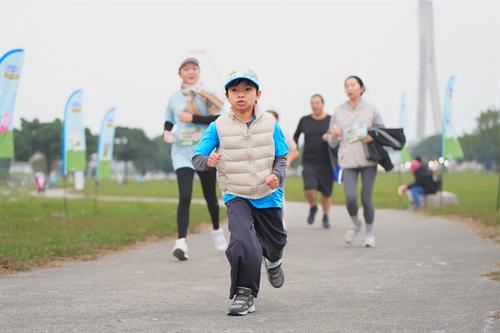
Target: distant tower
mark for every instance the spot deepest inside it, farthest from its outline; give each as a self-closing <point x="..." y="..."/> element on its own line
<point x="428" y="79"/>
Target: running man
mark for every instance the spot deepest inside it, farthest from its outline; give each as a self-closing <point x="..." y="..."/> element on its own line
<point x="316" y="163"/>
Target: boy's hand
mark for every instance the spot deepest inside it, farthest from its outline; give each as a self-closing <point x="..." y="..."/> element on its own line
<point x="213" y="159"/>
<point x="272" y="181"/>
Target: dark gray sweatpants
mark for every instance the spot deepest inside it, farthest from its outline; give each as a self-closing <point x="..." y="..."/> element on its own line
<point x="350" y="180"/>
<point x="254" y="233"/>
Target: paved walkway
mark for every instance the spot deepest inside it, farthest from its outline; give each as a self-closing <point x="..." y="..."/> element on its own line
<point x="424" y="276"/>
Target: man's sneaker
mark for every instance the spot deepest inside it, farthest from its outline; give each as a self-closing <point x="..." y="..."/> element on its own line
<point x="219" y="240"/>
<point x="326" y="222"/>
<point x="243" y="302"/>
<point x="370" y="241"/>
<point x="312" y="214"/>
<point x="351" y="234"/>
<point x="274" y="273"/>
<point x="180" y="250"/>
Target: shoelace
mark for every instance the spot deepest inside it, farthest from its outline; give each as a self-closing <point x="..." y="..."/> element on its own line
<point x="274" y="271"/>
<point x="241" y="299"/>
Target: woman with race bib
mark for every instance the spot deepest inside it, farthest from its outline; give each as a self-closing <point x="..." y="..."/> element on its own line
<point x="194" y="99"/>
<point x="349" y="129"/>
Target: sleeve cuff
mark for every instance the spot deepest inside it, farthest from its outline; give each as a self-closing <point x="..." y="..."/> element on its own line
<point x="167" y="126"/>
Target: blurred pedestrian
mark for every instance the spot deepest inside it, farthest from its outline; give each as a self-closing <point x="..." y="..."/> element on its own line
<point x="316" y="161"/>
<point x="349" y="131"/>
<point x="195" y="99"/>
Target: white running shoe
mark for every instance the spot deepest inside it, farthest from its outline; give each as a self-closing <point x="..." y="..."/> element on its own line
<point x="180" y="250"/>
<point x="219" y="240"/>
<point x="370" y="241"/>
<point x="351" y="234"/>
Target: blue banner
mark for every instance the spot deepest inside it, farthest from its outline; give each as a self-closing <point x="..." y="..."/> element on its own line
<point x="105" y="147"/>
<point x="450" y="146"/>
<point x="10" y="72"/>
<point x="73" y="149"/>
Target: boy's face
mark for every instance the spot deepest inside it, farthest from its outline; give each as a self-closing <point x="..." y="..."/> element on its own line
<point x="242" y="96"/>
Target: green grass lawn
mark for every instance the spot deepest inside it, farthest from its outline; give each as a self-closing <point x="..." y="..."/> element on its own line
<point x="156" y="188"/>
<point x="34" y="232"/>
<point x="476" y="192"/>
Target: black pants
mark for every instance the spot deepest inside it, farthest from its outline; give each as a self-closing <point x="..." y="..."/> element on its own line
<point x="185" y="184"/>
<point x="254" y="233"/>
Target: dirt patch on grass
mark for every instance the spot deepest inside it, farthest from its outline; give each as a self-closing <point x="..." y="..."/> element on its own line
<point x="495" y="316"/>
<point x="495" y="276"/>
<point x="9" y="269"/>
<point x="481" y="229"/>
<point x="12" y="269"/>
<point x="6" y="268"/>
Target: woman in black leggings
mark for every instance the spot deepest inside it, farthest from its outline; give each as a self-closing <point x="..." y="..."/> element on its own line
<point x="194" y="100"/>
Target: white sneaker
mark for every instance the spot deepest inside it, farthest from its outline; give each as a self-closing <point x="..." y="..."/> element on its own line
<point x="370" y="241"/>
<point x="351" y="234"/>
<point x="180" y="250"/>
<point x="219" y="240"/>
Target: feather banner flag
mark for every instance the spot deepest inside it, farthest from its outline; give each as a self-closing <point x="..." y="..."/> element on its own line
<point x="74" y="147"/>
<point x="105" y="147"/>
<point x="10" y="73"/>
<point x="450" y="146"/>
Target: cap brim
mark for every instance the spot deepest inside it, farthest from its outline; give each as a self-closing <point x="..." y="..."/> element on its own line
<point x="241" y="78"/>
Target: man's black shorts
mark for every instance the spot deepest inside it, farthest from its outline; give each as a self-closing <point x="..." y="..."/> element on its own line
<point x="318" y="179"/>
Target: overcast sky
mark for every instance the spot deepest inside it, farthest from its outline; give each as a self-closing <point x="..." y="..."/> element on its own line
<point x="126" y="54"/>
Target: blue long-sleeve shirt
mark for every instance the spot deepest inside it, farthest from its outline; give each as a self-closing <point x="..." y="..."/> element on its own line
<point x="210" y="141"/>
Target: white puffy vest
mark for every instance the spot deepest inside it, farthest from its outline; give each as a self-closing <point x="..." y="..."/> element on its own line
<point x="247" y="154"/>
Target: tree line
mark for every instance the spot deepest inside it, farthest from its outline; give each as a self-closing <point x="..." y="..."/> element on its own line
<point x="482" y="145"/>
<point x="132" y="145"/>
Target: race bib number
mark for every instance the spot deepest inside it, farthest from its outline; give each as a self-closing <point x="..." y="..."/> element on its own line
<point x="189" y="136"/>
<point x="355" y="132"/>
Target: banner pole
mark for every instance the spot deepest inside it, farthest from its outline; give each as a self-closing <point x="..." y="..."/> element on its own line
<point x="65" y="199"/>
<point x="498" y="190"/>
<point x="96" y="186"/>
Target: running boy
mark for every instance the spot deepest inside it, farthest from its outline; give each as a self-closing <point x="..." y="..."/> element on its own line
<point x="248" y="149"/>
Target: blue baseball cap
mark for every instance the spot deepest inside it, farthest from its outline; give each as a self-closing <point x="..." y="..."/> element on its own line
<point x="246" y="74"/>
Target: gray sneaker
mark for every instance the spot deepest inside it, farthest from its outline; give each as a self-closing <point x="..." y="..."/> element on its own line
<point x="243" y="302"/>
<point x="274" y="273"/>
